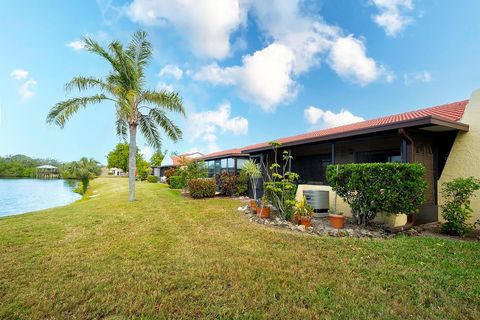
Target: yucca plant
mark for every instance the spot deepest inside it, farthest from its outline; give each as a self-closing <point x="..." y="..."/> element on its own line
<point x="124" y="88"/>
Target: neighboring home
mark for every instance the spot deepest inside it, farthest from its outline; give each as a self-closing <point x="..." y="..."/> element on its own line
<point x="115" y="172"/>
<point x="445" y="139"/>
<point x="177" y="160"/>
<point x="231" y="160"/>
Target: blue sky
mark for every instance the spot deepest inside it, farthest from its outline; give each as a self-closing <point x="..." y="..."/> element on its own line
<point x="248" y="71"/>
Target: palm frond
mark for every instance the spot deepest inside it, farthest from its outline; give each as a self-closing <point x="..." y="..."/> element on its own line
<point x="122" y="128"/>
<point x="86" y="83"/>
<point x="64" y="110"/>
<point x="150" y="132"/>
<point x="94" y="47"/>
<point x="165" y="99"/>
<point x="160" y="118"/>
<point x="140" y="49"/>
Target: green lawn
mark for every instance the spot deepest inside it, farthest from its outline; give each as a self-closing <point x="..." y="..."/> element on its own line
<point x="169" y="257"/>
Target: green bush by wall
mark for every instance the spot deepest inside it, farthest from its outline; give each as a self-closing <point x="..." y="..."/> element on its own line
<point x="371" y="188"/>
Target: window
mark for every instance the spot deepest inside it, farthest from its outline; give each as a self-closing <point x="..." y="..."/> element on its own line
<point x="218" y="167"/>
<point x="240" y="164"/>
<point x="311" y="169"/>
<point x="231" y="165"/>
<point x="224" y="164"/>
<point x="378" y="156"/>
<point x="211" y="168"/>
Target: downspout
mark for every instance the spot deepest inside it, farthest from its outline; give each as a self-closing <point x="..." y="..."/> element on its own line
<point x="408" y="158"/>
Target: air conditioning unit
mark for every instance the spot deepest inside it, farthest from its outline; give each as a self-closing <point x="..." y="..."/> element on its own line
<point x="319" y="201"/>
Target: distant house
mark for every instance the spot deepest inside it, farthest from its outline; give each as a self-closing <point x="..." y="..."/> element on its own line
<point x="47" y="171"/>
<point x="177" y="160"/>
<point x="231" y="160"/>
<point x="115" y="172"/>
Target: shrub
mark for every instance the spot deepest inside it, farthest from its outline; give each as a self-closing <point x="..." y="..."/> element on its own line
<point x="227" y="183"/>
<point x="201" y="188"/>
<point x="177" y="182"/>
<point x="193" y="170"/>
<point x="152" y="179"/>
<point x="379" y="187"/>
<point x="168" y="173"/>
<point x="254" y="173"/>
<point x="456" y="209"/>
<point x="242" y="184"/>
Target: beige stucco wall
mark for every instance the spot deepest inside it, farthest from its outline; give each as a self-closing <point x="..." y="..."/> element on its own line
<point x="464" y="158"/>
<point x="389" y="220"/>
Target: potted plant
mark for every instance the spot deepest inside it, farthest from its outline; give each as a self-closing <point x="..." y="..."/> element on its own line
<point x="253" y="171"/>
<point x="304" y="213"/>
<point x="336" y="219"/>
<point x="263" y="211"/>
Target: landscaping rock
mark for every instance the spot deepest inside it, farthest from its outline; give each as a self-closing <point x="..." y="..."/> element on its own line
<point x="301" y="228"/>
<point x="244" y="208"/>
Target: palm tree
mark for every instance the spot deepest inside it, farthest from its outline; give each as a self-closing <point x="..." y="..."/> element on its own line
<point x="124" y="87"/>
<point x="85" y="169"/>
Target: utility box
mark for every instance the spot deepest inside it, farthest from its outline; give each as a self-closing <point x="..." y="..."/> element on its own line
<point x="319" y="201"/>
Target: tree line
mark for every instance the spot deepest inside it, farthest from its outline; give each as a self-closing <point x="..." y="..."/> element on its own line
<point x="22" y="166"/>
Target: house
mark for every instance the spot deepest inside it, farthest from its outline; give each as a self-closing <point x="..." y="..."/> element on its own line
<point x="444" y="138"/>
<point x="176" y="160"/>
<point x="231" y="160"/>
<point x="115" y="172"/>
<point x="179" y="159"/>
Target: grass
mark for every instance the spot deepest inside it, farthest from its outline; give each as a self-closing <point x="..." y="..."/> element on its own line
<point x="165" y="256"/>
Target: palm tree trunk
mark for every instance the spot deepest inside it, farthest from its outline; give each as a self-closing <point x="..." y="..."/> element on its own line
<point x="132" y="153"/>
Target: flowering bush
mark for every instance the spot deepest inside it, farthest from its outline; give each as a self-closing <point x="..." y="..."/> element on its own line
<point x="227" y="183"/>
<point x="201" y="188"/>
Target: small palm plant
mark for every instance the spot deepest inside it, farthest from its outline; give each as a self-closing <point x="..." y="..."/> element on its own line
<point x="124" y="87"/>
<point x="84" y="170"/>
<point x="254" y="173"/>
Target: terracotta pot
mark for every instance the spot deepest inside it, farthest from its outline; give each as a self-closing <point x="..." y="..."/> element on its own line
<point x="296" y="218"/>
<point x="306" y="221"/>
<point x="336" y="221"/>
<point x="263" y="212"/>
<point x="253" y="205"/>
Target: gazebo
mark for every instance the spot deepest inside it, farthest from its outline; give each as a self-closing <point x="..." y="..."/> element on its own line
<point x="47" y="172"/>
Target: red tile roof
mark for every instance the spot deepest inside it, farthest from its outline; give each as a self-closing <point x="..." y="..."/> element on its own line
<point x="451" y="112"/>
<point x="177" y="160"/>
<point x="224" y="154"/>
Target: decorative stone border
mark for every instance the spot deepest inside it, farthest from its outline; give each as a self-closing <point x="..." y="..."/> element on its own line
<point x="321" y="227"/>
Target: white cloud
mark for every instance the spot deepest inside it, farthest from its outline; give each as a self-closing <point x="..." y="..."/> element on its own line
<point x="329" y="119"/>
<point x="205" y="126"/>
<point x="19" y="74"/>
<point x="164" y="86"/>
<point x="391" y="16"/>
<point x="26" y="89"/>
<point x="348" y="58"/>
<point x="207" y="24"/>
<point x="298" y="43"/>
<point x="76" y="45"/>
<point x="264" y="77"/>
<point x="415" y="77"/>
<point x="171" y="70"/>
